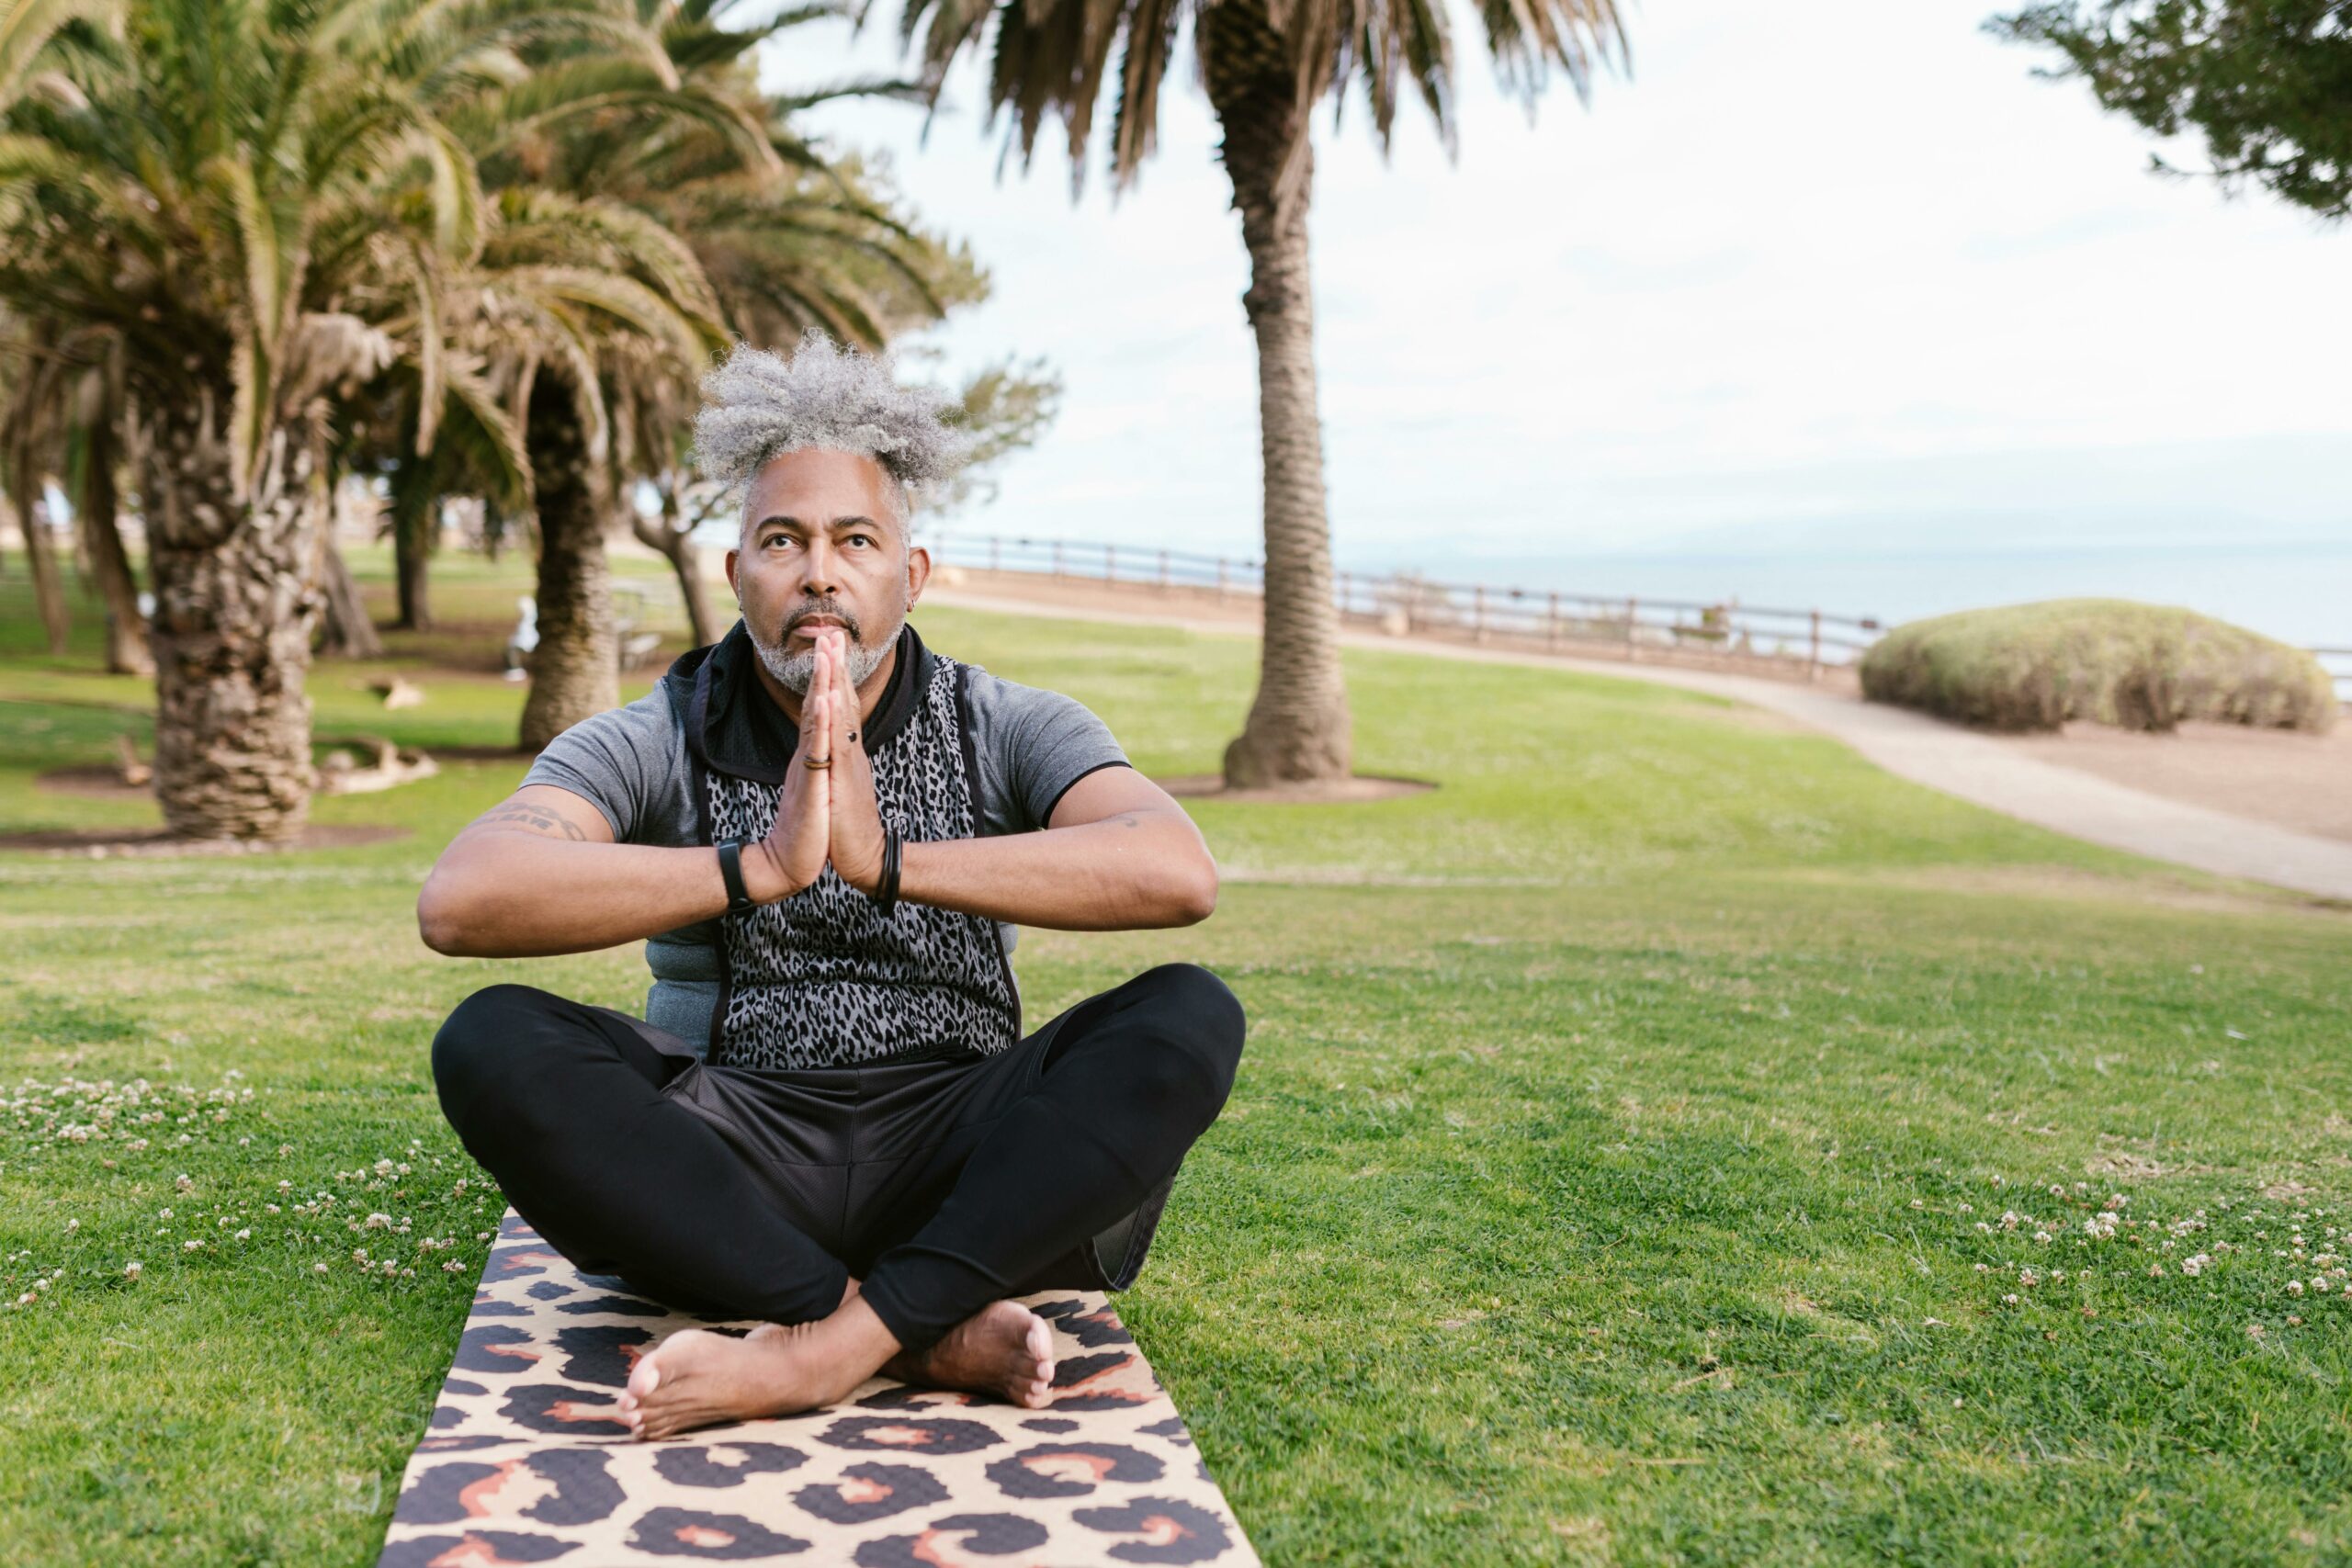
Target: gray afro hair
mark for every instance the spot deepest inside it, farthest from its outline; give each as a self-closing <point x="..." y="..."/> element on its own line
<point x="759" y="405"/>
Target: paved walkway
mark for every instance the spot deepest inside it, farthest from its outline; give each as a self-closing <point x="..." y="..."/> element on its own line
<point x="1976" y="768"/>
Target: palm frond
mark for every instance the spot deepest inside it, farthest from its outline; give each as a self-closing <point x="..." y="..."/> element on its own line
<point x="26" y="26"/>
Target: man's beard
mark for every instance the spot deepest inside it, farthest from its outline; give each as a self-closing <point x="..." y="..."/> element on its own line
<point x="797" y="669"/>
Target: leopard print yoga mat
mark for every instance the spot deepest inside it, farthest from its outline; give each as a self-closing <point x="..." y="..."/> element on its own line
<point x="523" y="1461"/>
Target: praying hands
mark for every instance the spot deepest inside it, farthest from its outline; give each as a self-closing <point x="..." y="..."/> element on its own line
<point x="826" y="808"/>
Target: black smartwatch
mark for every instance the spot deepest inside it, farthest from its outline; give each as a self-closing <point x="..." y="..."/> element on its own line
<point x="730" y="868"/>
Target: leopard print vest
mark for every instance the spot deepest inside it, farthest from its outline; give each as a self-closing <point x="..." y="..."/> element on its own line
<point x="823" y="978"/>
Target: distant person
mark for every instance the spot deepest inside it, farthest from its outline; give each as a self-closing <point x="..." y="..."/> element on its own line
<point x="829" y="1118"/>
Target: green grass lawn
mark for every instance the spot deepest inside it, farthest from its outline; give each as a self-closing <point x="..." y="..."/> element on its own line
<point x="1639" y="1145"/>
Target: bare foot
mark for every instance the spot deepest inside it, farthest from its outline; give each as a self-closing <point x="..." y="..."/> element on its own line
<point x="1003" y="1349"/>
<point x="694" y="1378"/>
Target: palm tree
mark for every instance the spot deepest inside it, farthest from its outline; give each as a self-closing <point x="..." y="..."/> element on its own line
<point x="1263" y="64"/>
<point x="230" y="195"/>
<point x="29" y="424"/>
<point x="689" y="192"/>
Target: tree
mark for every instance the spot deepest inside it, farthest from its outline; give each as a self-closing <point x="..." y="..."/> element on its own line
<point x="27" y="428"/>
<point x="680" y="183"/>
<point x="2268" y="83"/>
<point x="225" y="192"/>
<point x="93" y="448"/>
<point x="1263" y="64"/>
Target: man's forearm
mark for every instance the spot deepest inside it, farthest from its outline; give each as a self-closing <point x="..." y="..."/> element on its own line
<point x="1129" y="872"/>
<point x="523" y="895"/>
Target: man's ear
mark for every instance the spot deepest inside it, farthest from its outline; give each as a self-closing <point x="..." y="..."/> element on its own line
<point x="732" y="557"/>
<point x="918" y="573"/>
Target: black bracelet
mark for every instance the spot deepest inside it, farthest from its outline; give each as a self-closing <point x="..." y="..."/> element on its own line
<point x="886" y="897"/>
<point x="730" y="870"/>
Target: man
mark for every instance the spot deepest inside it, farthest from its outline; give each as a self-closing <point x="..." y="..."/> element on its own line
<point x="829" y="1118"/>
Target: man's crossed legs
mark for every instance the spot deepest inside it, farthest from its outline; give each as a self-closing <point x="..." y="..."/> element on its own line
<point x="877" y="1217"/>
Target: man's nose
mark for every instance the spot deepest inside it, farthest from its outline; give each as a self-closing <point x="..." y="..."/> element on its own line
<point x="819" y="576"/>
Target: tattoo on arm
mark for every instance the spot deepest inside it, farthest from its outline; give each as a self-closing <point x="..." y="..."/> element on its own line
<point x="530" y="820"/>
<point x="1127" y="819"/>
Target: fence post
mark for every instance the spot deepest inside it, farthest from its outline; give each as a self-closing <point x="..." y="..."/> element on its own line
<point x="996" y="550"/>
<point x="1552" y="623"/>
<point x="1632" y="611"/>
<point x="1163" y="571"/>
<point x="1220" y="579"/>
<point x="1345" y="594"/>
<point x="1058" y="558"/>
<point x="1110" y="564"/>
<point x="1813" y="657"/>
<point x="1477" y="612"/>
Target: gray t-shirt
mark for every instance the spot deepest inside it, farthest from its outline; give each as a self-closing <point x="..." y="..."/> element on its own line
<point x="1029" y="744"/>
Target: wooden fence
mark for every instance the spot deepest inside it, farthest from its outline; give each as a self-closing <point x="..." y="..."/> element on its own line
<point x="1797" y="642"/>
<point x="2337" y="662"/>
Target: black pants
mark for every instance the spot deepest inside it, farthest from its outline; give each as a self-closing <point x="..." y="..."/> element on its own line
<point x="757" y="1192"/>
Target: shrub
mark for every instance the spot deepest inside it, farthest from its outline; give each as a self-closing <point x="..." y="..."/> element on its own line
<point x="2024" y="667"/>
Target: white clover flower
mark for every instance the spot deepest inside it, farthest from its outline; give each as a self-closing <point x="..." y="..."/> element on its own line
<point x="269" y="1208"/>
<point x="244" y="1236"/>
<point x="190" y="1245"/>
<point x="2011" y="1299"/>
<point x="73" y="1225"/>
<point x="185" y="1182"/>
<point x="163" y="1214"/>
<point x="132" y="1269"/>
<point x="451" y="1267"/>
<point x="2194" y="1266"/>
<point x="2042" y="1238"/>
<point x="318" y="1267"/>
<point x="379" y="1221"/>
<point x="2294" y="1286"/>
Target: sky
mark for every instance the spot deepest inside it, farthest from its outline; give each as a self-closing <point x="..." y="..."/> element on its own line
<point x="1829" y="282"/>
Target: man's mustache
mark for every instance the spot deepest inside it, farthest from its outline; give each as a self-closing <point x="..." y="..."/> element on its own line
<point x="848" y="621"/>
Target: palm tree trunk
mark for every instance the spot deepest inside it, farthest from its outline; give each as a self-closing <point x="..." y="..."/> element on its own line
<point x="40" y="547"/>
<point x="416" y="528"/>
<point x="662" y="533"/>
<point x="236" y="600"/>
<point x="1299" y="728"/>
<point x="575" y="670"/>
<point x="97" y="517"/>
<point x="347" y="632"/>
